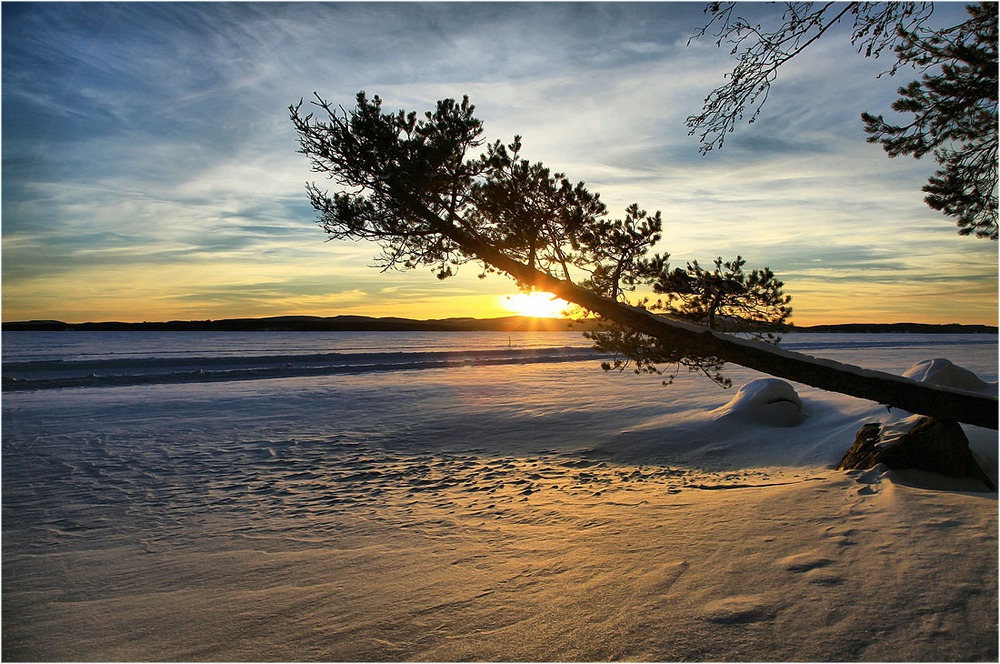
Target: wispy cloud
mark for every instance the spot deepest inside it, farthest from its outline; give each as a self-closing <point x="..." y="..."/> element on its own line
<point x="150" y="169"/>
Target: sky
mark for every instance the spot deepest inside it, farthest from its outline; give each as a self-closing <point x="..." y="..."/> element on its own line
<point x="150" y="170"/>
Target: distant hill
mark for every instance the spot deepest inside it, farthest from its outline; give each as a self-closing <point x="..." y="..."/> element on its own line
<point x="913" y="328"/>
<point x="370" y="324"/>
<point x="317" y="323"/>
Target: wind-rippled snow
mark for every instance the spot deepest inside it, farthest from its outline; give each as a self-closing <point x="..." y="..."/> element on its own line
<point x="515" y="511"/>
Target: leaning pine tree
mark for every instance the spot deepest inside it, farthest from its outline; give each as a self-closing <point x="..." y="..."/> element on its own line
<point x="416" y="187"/>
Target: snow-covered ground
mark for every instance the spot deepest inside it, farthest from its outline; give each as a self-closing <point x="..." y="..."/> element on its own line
<point x="474" y="497"/>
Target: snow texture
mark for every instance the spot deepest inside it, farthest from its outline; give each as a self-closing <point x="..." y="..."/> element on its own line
<point x="940" y="371"/>
<point x="766" y="401"/>
<point x="477" y="510"/>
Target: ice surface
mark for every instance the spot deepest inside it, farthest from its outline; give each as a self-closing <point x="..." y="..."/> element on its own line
<point x="182" y="357"/>
<point x="519" y="511"/>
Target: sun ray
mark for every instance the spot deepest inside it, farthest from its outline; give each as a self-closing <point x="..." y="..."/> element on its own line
<point x="538" y="304"/>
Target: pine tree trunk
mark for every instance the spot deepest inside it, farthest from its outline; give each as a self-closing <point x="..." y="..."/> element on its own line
<point x="884" y="388"/>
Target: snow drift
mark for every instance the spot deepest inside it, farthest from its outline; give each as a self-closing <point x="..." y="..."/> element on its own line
<point x="940" y="371"/>
<point x="769" y="402"/>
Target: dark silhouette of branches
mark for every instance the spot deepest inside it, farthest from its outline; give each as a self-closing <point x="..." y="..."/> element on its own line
<point x="726" y="297"/>
<point x="954" y="105"/>
<point x="954" y="109"/>
<point x="411" y="185"/>
<point x="760" y="52"/>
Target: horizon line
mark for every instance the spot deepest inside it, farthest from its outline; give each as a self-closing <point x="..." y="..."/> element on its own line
<point x="512" y="317"/>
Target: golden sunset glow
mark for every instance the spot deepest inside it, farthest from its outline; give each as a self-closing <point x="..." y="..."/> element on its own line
<point x="538" y="304"/>
<point x="190" y="217"/>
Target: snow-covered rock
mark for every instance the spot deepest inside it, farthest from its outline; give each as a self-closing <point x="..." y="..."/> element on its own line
<point x="767" y="401"/>
<point x="917" y="443"/>
<point x="940" y="371"/>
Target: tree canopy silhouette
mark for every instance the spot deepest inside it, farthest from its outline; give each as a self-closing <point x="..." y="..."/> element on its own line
<point x="414" y="186"/>
<point x="953" y="105"/>
<point x="426" y="199"/>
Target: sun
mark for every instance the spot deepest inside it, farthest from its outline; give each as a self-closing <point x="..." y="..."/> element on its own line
<point x="538" y="304"/>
